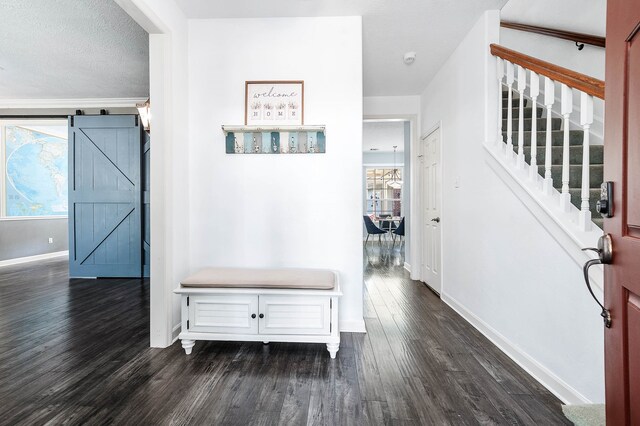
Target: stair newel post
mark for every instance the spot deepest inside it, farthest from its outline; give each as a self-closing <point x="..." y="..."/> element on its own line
<point x="549" y="99"/>
<point x="500" y="75"/>
<point x="586" y="119"/>
<point x="534" y="91"/>
<point x="566" y="109"/>
<point x="510" y="80"/>
<point x="522" y="85"/>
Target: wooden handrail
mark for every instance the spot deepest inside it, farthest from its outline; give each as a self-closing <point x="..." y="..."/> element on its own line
<point x="589" y="85"/>
<point x="552" y="32"/>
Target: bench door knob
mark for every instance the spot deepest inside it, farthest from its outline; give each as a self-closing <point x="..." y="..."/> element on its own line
<point x="261" y="315"/>
<point x="253" y="316"/>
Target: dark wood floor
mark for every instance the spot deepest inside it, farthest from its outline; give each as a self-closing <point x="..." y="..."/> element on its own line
<point x="76" y="352"/>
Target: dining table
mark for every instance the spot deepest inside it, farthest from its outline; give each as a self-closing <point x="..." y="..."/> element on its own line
<point x="395" y="219"/>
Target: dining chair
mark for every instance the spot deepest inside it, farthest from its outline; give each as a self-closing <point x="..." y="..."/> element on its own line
<point x="399" y="231"/>
<point x="372" y="229"/>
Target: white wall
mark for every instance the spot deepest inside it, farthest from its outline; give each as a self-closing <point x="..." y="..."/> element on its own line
<point x="391" y="106"/>
<point x="383" y="135"/>
<point x="382" y="158"/>
<point x="501" y="269"/>
<point x="278" y="210"/>
<point x="584" y="16"/>
<point x="170" y="248"/>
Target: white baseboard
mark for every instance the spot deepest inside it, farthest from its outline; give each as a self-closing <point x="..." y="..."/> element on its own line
<point x="35" y="258"/>
<point x="407" y="267"/>
<point x="174" y="333"/>
<point x="356" y="326"/>
<point x="553" y="383"/>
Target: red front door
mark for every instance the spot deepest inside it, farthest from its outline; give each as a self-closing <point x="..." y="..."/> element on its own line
<point x="622" y="167"/>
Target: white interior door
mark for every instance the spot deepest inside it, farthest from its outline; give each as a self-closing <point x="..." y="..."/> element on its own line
<point x="431" y="202"/>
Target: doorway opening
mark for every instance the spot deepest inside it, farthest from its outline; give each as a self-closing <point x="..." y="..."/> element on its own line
<point x="52" y="93"/>
<point x="386" y="147"/>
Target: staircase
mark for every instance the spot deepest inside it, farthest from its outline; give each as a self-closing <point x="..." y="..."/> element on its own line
<point x="596" y="156"/>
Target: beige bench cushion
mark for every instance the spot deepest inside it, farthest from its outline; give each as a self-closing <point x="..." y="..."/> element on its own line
<point x="318" y="279"/>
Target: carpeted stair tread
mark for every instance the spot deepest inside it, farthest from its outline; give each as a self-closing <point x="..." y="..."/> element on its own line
<point x="594" y="196"/>
<point x="557" y="136"/>
<point x="527" y="112"/>
<point x="514" y="103"/>
<point x="576" y="138"/>
<point x="585" y="414"/>
<point x="575" y="175"/>
<point x="596" y="154"/>
<point x="556" y="124"/>
<point x="599" y="221"/>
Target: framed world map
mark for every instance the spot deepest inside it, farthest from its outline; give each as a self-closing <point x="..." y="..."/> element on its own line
<point x="35" y="170"/>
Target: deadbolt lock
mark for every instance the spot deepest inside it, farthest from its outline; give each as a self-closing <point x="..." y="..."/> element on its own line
<point x="604" y="205"/>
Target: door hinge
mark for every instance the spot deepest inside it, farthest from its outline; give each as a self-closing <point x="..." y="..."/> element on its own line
<point x="330" y="303"/>
<point x="330" y="327"/>
<point x="187" y="324"/>
<point x="187" y="300"/>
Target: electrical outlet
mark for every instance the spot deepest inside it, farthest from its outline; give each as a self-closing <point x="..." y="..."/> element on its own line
<point x="50" y="240"/>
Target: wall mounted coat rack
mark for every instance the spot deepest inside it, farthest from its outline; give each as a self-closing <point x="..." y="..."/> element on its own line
<point x="275" y="139"/>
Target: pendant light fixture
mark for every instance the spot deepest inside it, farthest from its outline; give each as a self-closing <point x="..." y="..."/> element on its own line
<point x="395" y="181"/>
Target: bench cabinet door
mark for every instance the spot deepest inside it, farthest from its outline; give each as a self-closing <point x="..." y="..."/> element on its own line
<point x="295" y="315"/>
<point x="229" y="314"/>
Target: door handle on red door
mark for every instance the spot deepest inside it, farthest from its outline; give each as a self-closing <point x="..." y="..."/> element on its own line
<point x="436" y="219"/>
<point x="605" y="256"/>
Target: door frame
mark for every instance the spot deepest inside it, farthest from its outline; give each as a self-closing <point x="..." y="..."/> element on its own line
<point x="412" y="234"/>
<point x="437" y="127"/>
<point x="169" y="171"/>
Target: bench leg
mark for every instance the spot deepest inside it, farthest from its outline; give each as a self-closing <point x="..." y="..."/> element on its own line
<point x="187" y="345"/>
<point x="333" y="349"/>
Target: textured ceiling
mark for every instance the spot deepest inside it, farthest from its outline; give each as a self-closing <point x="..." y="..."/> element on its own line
<point x="66" y="49"/>
<point x="432" y="28"/>
<point x="382" y="135"/>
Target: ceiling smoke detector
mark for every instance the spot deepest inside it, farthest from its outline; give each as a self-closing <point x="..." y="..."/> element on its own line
<point x="409" y="58"/>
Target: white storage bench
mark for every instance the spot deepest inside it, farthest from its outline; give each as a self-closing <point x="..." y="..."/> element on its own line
<point x="266" y="305"/>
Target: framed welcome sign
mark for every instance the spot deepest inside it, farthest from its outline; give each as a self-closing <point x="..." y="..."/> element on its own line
<point x="274" y="103"/>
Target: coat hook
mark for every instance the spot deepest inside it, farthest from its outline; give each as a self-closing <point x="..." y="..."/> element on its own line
<point x="580" y="46"/>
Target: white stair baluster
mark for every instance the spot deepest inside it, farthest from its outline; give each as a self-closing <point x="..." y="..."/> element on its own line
<point x="549" y="99"/>
<point x="510" y="80"/>
<point x="522" y="85"/>
<point x="586" y="119"/>
<point x="500" y="75"/>
<point x="534" y="91"/>
<point x="566" y="109"/>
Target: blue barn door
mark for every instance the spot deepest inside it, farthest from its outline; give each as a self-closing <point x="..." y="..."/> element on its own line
<point x="105" y="235"/>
